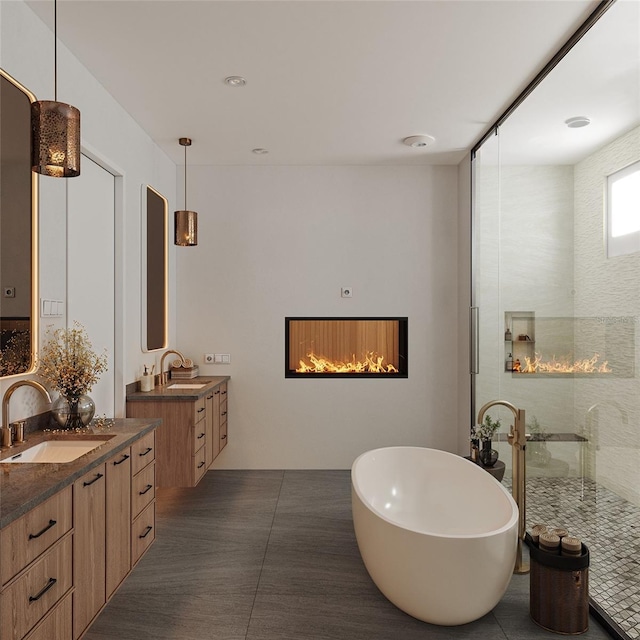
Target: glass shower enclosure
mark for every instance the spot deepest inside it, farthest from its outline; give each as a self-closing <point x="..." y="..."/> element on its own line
<point x="558" y="310"/>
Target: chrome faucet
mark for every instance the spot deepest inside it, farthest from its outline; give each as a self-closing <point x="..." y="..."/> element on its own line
<point x="163" y="376"/>
<point x="518" y="441"/>
<point x="5" y="427"/>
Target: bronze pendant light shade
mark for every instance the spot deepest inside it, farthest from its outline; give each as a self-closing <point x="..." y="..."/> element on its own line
<point x="55" y="139"/>
<point x="186" y="222"/>
<point x="55" y="128"/>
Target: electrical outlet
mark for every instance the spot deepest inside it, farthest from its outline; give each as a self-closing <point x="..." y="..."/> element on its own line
<point x="346" y="292"/>
<point x="209" y="358"/>
<point x="9" y="292"/>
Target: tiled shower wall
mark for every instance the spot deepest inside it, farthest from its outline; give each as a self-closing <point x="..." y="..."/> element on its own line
<point x="608" y="290"/>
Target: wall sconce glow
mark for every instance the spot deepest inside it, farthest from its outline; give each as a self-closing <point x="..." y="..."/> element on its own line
<point x="55" y="129"/>
<point x="186" y="222"/>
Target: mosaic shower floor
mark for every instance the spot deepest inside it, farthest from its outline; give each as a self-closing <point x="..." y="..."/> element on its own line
<point x="609" y="526"/>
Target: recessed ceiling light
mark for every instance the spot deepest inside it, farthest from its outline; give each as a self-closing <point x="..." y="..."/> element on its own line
<point x="260" y="152"/>
<point x="419" y="142"/>
<point x="235" y="81"/>
<point x="577" y="122"/>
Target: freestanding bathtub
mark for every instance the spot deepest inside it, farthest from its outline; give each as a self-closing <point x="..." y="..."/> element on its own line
<point x="437" y="533"/>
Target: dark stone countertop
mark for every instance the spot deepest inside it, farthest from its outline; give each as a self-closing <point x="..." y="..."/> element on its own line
<point x="165" y="393"/>
<point x="26" y="485"/>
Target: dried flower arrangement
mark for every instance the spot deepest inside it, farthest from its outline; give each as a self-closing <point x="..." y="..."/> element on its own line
<point x="69" y="363"/>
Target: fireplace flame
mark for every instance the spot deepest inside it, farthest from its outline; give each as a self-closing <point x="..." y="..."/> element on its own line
<point x="565" y="365"/>
<point x="372" y="363"/>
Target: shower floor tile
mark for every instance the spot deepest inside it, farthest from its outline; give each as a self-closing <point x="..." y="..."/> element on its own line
<point x="609" y="526"/>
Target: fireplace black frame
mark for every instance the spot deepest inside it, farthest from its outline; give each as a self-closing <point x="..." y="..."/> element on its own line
<point x="403" y="344"/>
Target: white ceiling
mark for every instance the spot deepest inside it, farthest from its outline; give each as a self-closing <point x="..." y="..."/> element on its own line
<point x="332" y="82"/>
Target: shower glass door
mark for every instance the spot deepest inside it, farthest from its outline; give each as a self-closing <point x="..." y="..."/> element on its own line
<point x="558" y="312"/>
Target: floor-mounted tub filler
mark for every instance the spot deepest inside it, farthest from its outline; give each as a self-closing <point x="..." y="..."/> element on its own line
<point x="437" y="534"/>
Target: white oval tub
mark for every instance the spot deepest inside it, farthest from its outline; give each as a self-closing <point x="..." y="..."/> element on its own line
<point x="438" y="534"/>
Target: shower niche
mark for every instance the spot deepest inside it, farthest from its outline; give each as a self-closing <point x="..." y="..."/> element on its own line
<point x="317" y="347"/>
<point x="568" y="346"/>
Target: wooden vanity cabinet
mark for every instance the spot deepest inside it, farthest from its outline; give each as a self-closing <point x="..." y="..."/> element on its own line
<point x="62" y="561"/>
<point x="118" y="518"/>
<point x="192" y="433"/>
<point x="180" y="439"/>
<point x="223" y="416"/>
<point x="36" y="571"/>
<point x="143" y="496"/>
<point x="89" y="548"/>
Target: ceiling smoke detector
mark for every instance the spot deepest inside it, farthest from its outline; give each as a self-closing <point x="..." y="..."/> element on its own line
<point x="419" y="142"/>
<point x="577" y="122"/>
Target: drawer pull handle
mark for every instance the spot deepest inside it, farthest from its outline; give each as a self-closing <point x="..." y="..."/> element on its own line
<point x="201" y="409"/>
<point x="37" y="535"/>
<point x="223" y="437"/>
<point x="144" y="453"/>
<point x="98" y="476"/>
<point x="201" y="436"/>
<point x="147" y="531"/>
<point x="124" y="457"/>
<point x="209" y="397"/>
<point x="201" y="465"/>
<point x="147" y="488"/>
<point x="224" y="413"/>
<point x="216" y="393"/>
<point x="44" y="590"/>
<point x="224" y="393"/>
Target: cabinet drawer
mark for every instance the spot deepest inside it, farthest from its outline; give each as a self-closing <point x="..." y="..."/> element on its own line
<point x="199" y="464"/>
<point x="26" y="538"/>
<point x="143" y="489"/>
<point x="223" y="411"/>
<point x="56" y="624"/>
<point x="143" y="532"/>
<point x="223" y="391"/>
<point x="143" y="451"/>
<point x="223" y="436"/>
<point x="26" y="601"/>
<point x="199" y="409"/>
<point x="199" y="436"/>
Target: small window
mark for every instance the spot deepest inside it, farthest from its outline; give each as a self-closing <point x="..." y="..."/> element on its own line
<point x="623" y="211"/>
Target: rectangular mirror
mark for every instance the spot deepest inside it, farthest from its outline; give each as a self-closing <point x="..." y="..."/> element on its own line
<point x="155" y="270"/>
<point x="18" y="232"/>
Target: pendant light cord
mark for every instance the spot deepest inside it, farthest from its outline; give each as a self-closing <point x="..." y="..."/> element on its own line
<point x="55" y="50"/>
<point x="185" y="177"/>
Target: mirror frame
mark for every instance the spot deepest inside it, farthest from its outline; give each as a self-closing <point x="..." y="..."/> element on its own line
<point x="35" y="301"/>
<point x="146" y="273"/>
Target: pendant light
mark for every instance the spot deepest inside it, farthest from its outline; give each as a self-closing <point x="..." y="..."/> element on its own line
<point x="55" y="128"/>
<point x="186" y="222"/>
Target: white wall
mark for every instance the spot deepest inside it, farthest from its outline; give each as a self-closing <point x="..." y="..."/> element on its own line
<point x="114" y="139"/>
<point x="282" y="241"/>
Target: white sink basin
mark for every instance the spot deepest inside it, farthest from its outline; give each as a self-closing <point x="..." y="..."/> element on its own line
<point x="186" y="385"/>
<point x="53" y="451"/>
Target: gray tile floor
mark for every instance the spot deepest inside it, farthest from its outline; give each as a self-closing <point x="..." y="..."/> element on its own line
<point x="271" y="555"/>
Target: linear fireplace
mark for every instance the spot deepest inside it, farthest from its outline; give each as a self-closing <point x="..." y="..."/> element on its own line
<point x="346" y="347"/>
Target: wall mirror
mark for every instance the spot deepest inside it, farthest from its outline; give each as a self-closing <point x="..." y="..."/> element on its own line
<point x="18" y="232"/>
<point x="155" y="270"/>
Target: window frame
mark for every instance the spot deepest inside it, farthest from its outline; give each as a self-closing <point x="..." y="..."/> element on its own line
<point x="630" y="242"/>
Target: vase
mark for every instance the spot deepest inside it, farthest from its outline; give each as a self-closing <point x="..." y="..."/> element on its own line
<point x="488" y="456"/>
<point x="73" y="411"/>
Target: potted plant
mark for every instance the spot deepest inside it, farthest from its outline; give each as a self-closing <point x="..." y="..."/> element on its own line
<point x="71" y="367"/>
<point x="483" y="434"/>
